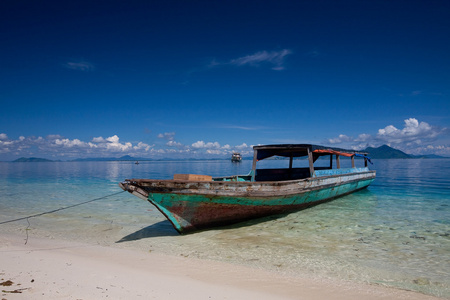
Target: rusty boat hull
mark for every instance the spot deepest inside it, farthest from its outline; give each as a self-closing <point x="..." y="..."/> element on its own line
<point x="193" y="202"/>
<point x="196" y="205"/>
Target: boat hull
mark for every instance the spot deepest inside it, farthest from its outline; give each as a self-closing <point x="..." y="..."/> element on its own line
<point x="196" y="205"/>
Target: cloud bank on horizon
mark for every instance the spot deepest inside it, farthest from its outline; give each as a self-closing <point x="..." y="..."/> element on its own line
<point x="414" y="138"/>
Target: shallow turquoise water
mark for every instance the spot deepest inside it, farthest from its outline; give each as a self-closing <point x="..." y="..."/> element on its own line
<point x="395" y="233"/>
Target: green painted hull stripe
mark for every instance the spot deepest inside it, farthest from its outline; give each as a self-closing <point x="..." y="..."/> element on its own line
<point x="161" y="201"/>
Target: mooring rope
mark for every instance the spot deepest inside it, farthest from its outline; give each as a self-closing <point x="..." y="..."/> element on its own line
<point x="59" y="209"/>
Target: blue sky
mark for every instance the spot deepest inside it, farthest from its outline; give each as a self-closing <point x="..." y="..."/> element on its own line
<point x="205" y="78"/>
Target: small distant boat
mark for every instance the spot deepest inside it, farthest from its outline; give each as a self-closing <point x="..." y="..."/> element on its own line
<point x="193" y="202"/>
<point x="236" y="157"/>
<point x="136" y="163"/>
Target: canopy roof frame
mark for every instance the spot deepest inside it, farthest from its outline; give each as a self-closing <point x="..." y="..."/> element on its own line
<point x="298" y="150"/>
<point x="313" y="152"/>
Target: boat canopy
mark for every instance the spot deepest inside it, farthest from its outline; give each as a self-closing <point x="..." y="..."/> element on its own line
<point x="299" y="150"/>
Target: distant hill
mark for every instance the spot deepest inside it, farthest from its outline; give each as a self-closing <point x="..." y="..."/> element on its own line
<point x="382" y="152"/>
<point x="130" y="158"/>
<point x="123" y="158"/>
<point x="32" y="159"/>
<point x="386" y="152"/>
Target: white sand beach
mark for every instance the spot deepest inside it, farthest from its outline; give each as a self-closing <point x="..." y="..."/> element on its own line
<point x="56" y="269"/>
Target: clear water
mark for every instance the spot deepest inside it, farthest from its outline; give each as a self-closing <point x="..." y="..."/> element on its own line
<point x="395" y="233"/>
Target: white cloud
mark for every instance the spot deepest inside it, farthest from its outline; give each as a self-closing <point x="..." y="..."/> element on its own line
<point x="198" y="144"/>
<point x="56" y="146"/>
<point x="214" y="148"/>
<point x="414" y="131"/>
<point x="69" y="143"/>
<point x="242" y="146"/>
<point x="80" y="66"/>
<point x="98" y="140"/>
<point x="114" y="144"/>
<point x="113" y="139"/>
<point x="364" y="137"/>
<point x="212" y="151"/>
<point x="414" y="138"/>
<point x="362" y="140"/>
<point x="240" y="127"/>
<point x="4" y="143"/>
<point x="142" y="146"/>
<point x="275" y="58"/>
<point x="203" y="145"/>
<point x="341" y="139"/>
<point x="174" y="144"/>
<point x="170" y="136"/>
<point x="54" y="136"/>
<point x="438" y="149"/>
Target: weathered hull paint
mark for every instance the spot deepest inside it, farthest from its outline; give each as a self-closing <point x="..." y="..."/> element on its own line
<point x="191" y="206"/>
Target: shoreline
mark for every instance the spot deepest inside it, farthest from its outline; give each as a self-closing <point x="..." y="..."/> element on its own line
<point x="57" y="269"/>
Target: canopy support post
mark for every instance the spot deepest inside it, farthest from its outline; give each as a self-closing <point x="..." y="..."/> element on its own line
<point x="255" y="156"/>
<point x="311" y="163"/>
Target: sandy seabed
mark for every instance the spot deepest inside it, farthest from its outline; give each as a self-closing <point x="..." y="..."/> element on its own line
<point x="56" y="269"/>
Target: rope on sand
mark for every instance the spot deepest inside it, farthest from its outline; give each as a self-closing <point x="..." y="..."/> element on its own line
<point x="59" y="209"/>
<point x="55" y="210"/>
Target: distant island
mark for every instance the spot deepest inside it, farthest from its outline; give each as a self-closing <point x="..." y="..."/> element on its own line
<point x="382" y="152"/>
<point x="32" y="159"/>
<point x="386" y="152"/>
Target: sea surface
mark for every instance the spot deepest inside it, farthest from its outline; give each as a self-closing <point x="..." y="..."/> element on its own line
<point x="395" y="233"/>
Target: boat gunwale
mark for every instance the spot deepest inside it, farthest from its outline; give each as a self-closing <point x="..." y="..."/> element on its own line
<point x="284" y="188"/>
<point x="268" y="195"/>
<point x="272" y="182"/>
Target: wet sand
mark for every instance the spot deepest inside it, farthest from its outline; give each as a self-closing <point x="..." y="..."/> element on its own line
<point x="56" y="269"/>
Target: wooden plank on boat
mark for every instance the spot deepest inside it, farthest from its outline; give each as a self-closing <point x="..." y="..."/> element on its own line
<point x="193" y="177"/>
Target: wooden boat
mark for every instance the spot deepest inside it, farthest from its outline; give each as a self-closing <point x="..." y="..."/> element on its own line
<point x="236" y="157"/>
<point x="193" y="202"/>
